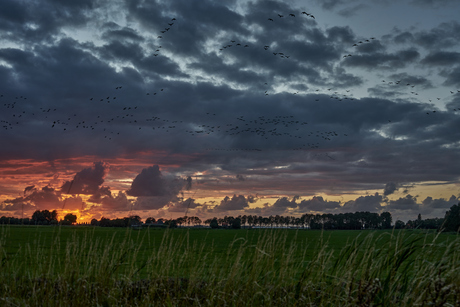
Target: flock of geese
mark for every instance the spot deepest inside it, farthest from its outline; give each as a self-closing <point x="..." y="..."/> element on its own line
<point x="123" y="117"/>
<point x="17" y="112"/>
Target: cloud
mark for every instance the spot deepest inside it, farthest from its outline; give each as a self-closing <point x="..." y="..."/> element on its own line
<point x="371" y="203"/>
<point x="318" y="204"/>
<point x="440" y="203"/>
<point x="390" y="188"/>
<point x="119" y="202"/>
<point x="150" y="182"/>
<point x="408" y="202"/>
<point x="230" y="204"/>
<point x="17" y="207"/>
<point x="46" y="198"/>
<point x="240" y="177"/>
<point x="73" y="203"/>
<point x="441" y="58"/>
<point x="188" y="185"/>
<point x="380" y="60"/>
<point x="29" y="189"/>
<point x="184" y="205"/>
<point x="88" y="181"/>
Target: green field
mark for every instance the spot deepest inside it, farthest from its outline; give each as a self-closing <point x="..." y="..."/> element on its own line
<point x="84" y="266"/>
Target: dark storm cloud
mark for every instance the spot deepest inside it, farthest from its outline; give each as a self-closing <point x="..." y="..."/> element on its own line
<point x="184" y="206"/>
<point x="408" y="202"/>
<point x="88" y="181"/>
<point x="440" y="203"/>
<point x="433" y="3"/>
<point x="280" y="207"/>
<point x="452" y="76"/>
<point x="230" y="204"/>
<point x="155" y="202"/>
<point x="405" y="78"/>
<point x="331" y="4"/>
<point x="122" y="34"/>
<point x="29" y="189"/>
<point x="153" y="190"/>
<point x="17" y="207"/>
<point x="441" y="58"/>
<point x="240" y="177"/>
<point x="352" y="11"/>
<point x="119" y="202"/>
<point x="33" y="21"/>
<point x="188" y="185"/>
<point x="45" y="198"/>
<point x="389" y="61"/>
<point x="390" y="188"/>
<point x="371" y="203"/>
<point x="445" y="35"/>
<point x="318" y="203"/>
<point x="149" y="182"/>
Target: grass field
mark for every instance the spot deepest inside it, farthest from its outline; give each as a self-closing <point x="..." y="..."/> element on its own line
<point x="84" y="266"/>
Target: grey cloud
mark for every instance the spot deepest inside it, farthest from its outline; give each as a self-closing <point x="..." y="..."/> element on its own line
<point x="440" y="203"/>
<point x="389" y="61"/>
<point x="403" y="37"/>
<point x="319" y="204"/>
<point x="123" y="34"/>
<point x="370" y="203"/>
<point x="45" y="198"/>
<point x="433" y="3"/>
<point x="331" y="4"/>
<point x="119" y="202"/>
<point x="73" y="203"/>
<point x="441" y="58"/>
<point x="390" y="188"/>
<point x="403" y="203"/>
<point x="452" y="76"/>
<point x="405" y="78"/>
<point x="88" y="181"/>
<point x="352" y="11"/>
<point x="444" y="36"/>
<point x="149" y="182"/>
<point x="230" y="204"/>
<point x="184" y="206"/>
<point x="17" y="207"/>
<point x="153" y="190"/>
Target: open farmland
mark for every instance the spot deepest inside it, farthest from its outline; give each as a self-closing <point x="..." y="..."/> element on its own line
<point x="110" y="266"/>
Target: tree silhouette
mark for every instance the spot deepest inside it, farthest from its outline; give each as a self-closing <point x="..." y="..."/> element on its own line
<point x="452" y="219"/>
<point x="70" y="219"/>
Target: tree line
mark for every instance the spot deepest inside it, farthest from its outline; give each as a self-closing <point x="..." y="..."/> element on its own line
<point x="327" y="221"/>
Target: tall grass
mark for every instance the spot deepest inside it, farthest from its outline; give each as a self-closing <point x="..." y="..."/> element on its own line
<point x="403" y="269"/>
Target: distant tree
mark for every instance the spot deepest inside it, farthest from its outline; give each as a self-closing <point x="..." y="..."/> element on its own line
<point x="452" y="219"/>
<point x="70" y="218"/>
<point x="214" y="224"/>
<point x="150" y="220"/>
<point x="399" y="224"/>
<point x="105" y="222"/>
<point x="44" y="217"/>
<point x="385" y="219"/>
<point x="171" y="223"/>
<point x="181" y="220"/>
<point x="236" y="223"/>
<point x="134" y="220"/>
<point x="244" y="219"/>
<point x="94" y="222"/>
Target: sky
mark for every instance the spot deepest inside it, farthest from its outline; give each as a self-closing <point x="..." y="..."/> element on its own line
<point x="213" y="108"/>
